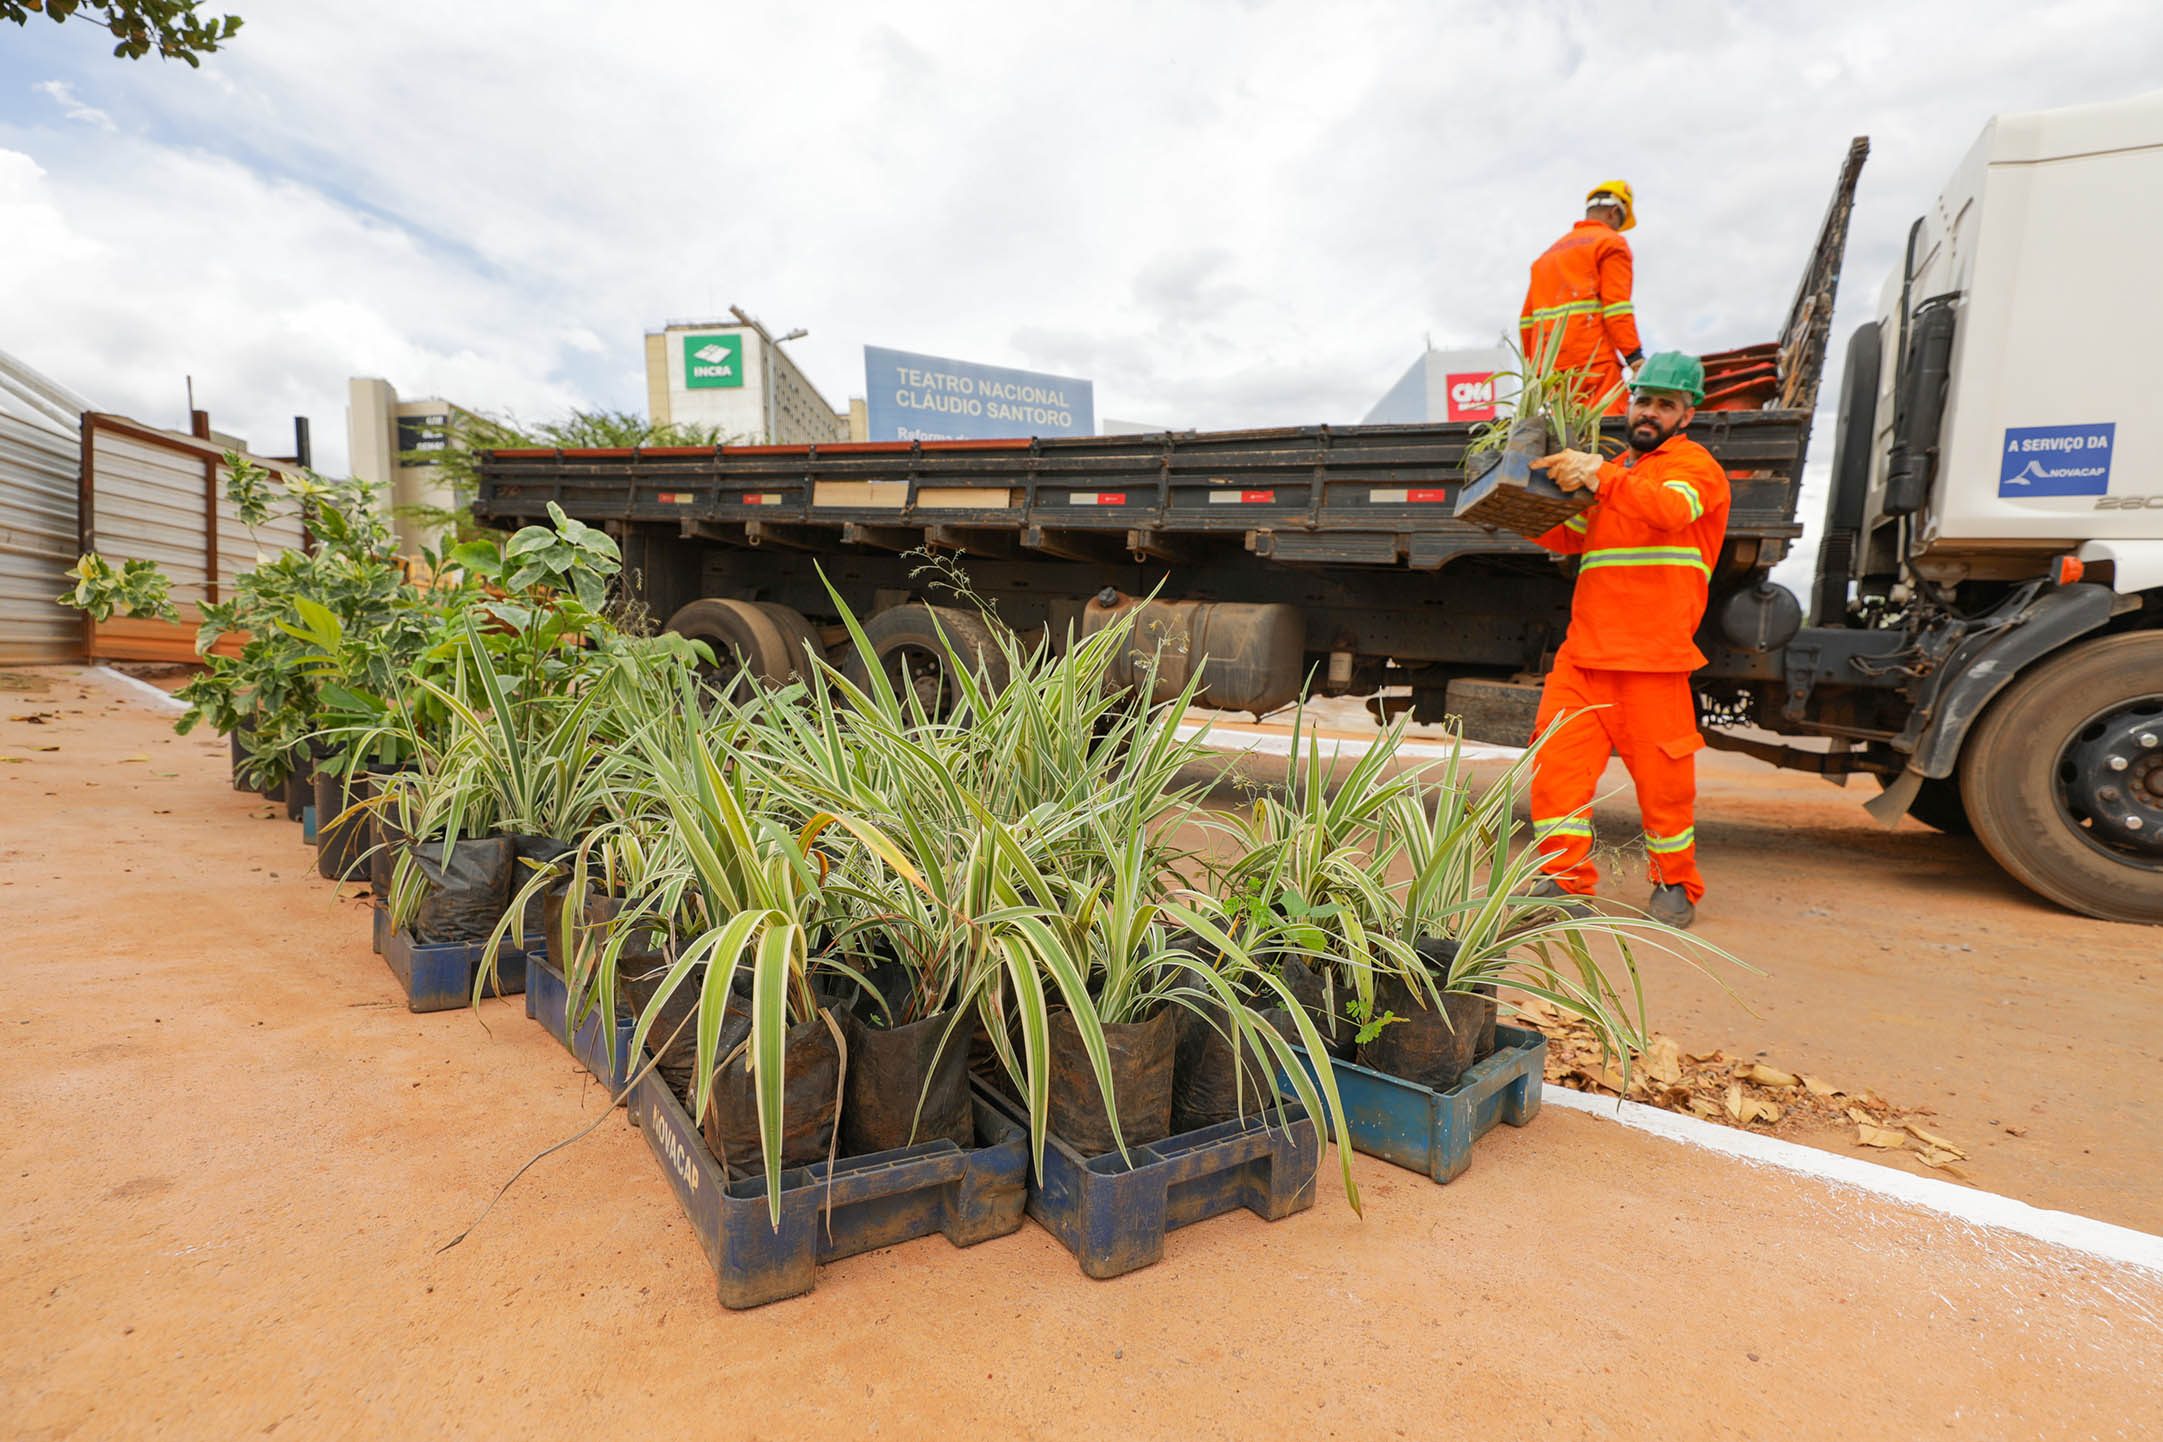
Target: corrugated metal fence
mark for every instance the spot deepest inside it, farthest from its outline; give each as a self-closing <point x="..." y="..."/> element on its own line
<point x="39" y="464"/>
<point x="74" y="479"/>
<point x="155" y="495"/>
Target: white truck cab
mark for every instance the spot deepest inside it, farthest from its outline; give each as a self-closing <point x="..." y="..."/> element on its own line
<point x="2051" y="439"/>
<point x="1992" y="579"/>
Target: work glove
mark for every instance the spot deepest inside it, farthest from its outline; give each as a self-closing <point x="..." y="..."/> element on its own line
<point x="1572" y="470"/>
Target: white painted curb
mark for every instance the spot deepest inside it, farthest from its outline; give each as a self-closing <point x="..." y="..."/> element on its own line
<point x="140" y="690"/>
<point x="1279" y="743"/>
<point x="1965" y="1204"/>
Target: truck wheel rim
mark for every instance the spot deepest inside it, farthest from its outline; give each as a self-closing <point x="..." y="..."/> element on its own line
<point x="922" y="670"/>
<point x="2110" y="782"/>
<point x="730" y="676"/>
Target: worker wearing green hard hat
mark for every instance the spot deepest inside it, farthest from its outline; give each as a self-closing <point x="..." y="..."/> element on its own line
<point x="1646" y="548"/>
<point x="1671" y="370"/>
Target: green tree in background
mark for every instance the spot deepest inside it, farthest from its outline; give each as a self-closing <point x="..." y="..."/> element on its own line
<point x="450" y="447"/>
<point x="170" y="27"/>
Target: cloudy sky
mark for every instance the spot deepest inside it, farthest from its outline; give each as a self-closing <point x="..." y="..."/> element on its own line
<point x="1225" y="214"/>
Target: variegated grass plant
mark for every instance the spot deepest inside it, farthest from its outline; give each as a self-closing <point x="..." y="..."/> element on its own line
<point x="1543" y="388"/>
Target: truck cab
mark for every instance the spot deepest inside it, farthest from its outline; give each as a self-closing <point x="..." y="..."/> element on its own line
<point x="1987" y="619"/>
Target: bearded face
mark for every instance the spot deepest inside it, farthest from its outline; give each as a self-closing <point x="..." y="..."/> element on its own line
<point x="1656" y="415"/>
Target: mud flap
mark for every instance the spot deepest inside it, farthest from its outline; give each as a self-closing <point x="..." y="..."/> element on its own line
<point x="1889" y="805"/>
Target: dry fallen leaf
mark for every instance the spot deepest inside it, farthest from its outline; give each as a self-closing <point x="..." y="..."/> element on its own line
<point x="1768" y="1076"/>
<point x="1601" y="1076"/>
<point x="45" y="748"/>
<point x="1734" y="1100"/>
<point x="126" y="759"/>
<point x="1664" y="1060"/>
<point x="1861" y="1118"/>
<point x="2016" y="1131"/>
<point x="1932" y="1140"/>
<point x="1818" y="1088"/>
<point x="1886" y="1137"/>
<point x="1704" y="1106"/>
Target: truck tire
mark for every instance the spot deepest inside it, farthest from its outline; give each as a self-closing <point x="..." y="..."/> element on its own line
<point x="2043" y="782"/>
<point x="746" y="643"/>
<point x="906" y="641"/>
<point x="1937" y="805"/>
<point x="802" y="638"/>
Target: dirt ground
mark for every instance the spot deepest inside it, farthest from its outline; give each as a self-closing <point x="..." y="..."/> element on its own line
<point x="236" y="1156"/>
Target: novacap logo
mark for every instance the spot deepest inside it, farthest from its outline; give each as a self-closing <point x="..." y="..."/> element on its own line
<point x="2057" y="460"/>
<point x="713" y="360"/>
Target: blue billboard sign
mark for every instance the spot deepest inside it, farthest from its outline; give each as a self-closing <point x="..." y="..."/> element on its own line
<point x="909" y="397"/>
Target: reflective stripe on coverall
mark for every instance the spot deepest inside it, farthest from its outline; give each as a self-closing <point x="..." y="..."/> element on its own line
<point x="1648" y="546"/>
<point x="1582" y="283"/>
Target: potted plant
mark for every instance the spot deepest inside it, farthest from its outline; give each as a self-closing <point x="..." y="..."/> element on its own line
<point x="1463" y="927"/>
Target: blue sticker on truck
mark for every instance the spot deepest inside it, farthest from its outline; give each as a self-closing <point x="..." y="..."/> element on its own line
<point x="2056" y="460"/>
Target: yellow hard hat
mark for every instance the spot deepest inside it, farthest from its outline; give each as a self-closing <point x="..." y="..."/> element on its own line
<point x="1617" y="192"/>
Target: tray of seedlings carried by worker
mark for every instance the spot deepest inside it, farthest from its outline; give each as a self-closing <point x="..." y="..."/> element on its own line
<point x="1515" y="495"/>
<point x="548" y="1001"/>
<point x="1429" y="1129"/>
<point x="441" y="976"/>
<point x="831" y="1210"/>
<point x="1113" y="1212"/>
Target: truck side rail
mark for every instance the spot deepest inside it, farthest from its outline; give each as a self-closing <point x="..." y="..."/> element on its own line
<point x="1372" y="495"/>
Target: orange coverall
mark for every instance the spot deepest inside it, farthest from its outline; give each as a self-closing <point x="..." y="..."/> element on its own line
<point x="1648" y="546"/>
<point x="1582" y="283"/>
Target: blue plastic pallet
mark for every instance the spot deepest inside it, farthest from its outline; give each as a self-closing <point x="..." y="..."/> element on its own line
<point x="1433" y="1131"/>
<point x="438" y="978"/>
<point x="1113" y="1217"/>
<point x="858" y="1204"/>
<point x="548" y="1001"/>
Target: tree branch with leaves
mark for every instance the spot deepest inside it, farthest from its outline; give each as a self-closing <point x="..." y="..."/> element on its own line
<point x="170" y="27"/>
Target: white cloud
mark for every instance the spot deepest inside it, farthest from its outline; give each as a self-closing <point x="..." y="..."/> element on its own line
<point x="1224" y="216"/>
<point x="74" y="109"/>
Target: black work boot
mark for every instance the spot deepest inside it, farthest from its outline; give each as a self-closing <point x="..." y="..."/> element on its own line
<point x="1567" y="902"/>
<point x="1671" y="904"/>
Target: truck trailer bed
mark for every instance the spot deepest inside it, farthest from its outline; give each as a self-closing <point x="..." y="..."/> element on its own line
<point x="1349" y="495"/>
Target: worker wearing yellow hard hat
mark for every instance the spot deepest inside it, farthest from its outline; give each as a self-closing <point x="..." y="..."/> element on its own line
<point x="1581" y="286"/>
<point x="1614" y="194"/>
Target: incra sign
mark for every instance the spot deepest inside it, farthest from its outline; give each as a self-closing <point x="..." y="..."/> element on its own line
<point x="1471" y="396"/>
<point x="712" y="360"/>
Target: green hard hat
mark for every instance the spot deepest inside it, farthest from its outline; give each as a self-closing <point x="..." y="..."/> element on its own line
<point x="1671" y="370"/>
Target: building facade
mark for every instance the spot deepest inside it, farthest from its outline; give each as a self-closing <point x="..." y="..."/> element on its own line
<point x="383" y="433"/>
<point x="734" y="376"/>
<point x="1445" y="385"/>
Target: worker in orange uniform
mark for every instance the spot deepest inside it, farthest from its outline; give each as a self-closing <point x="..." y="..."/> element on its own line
<point x="1582" y="284"/>
<point x="1621" y="680"/>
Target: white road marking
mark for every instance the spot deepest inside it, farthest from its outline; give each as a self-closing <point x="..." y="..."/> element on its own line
<point x="1279" y="743"/>
<point x="141" y="690"/>
<point x="1966" y="1204"/>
